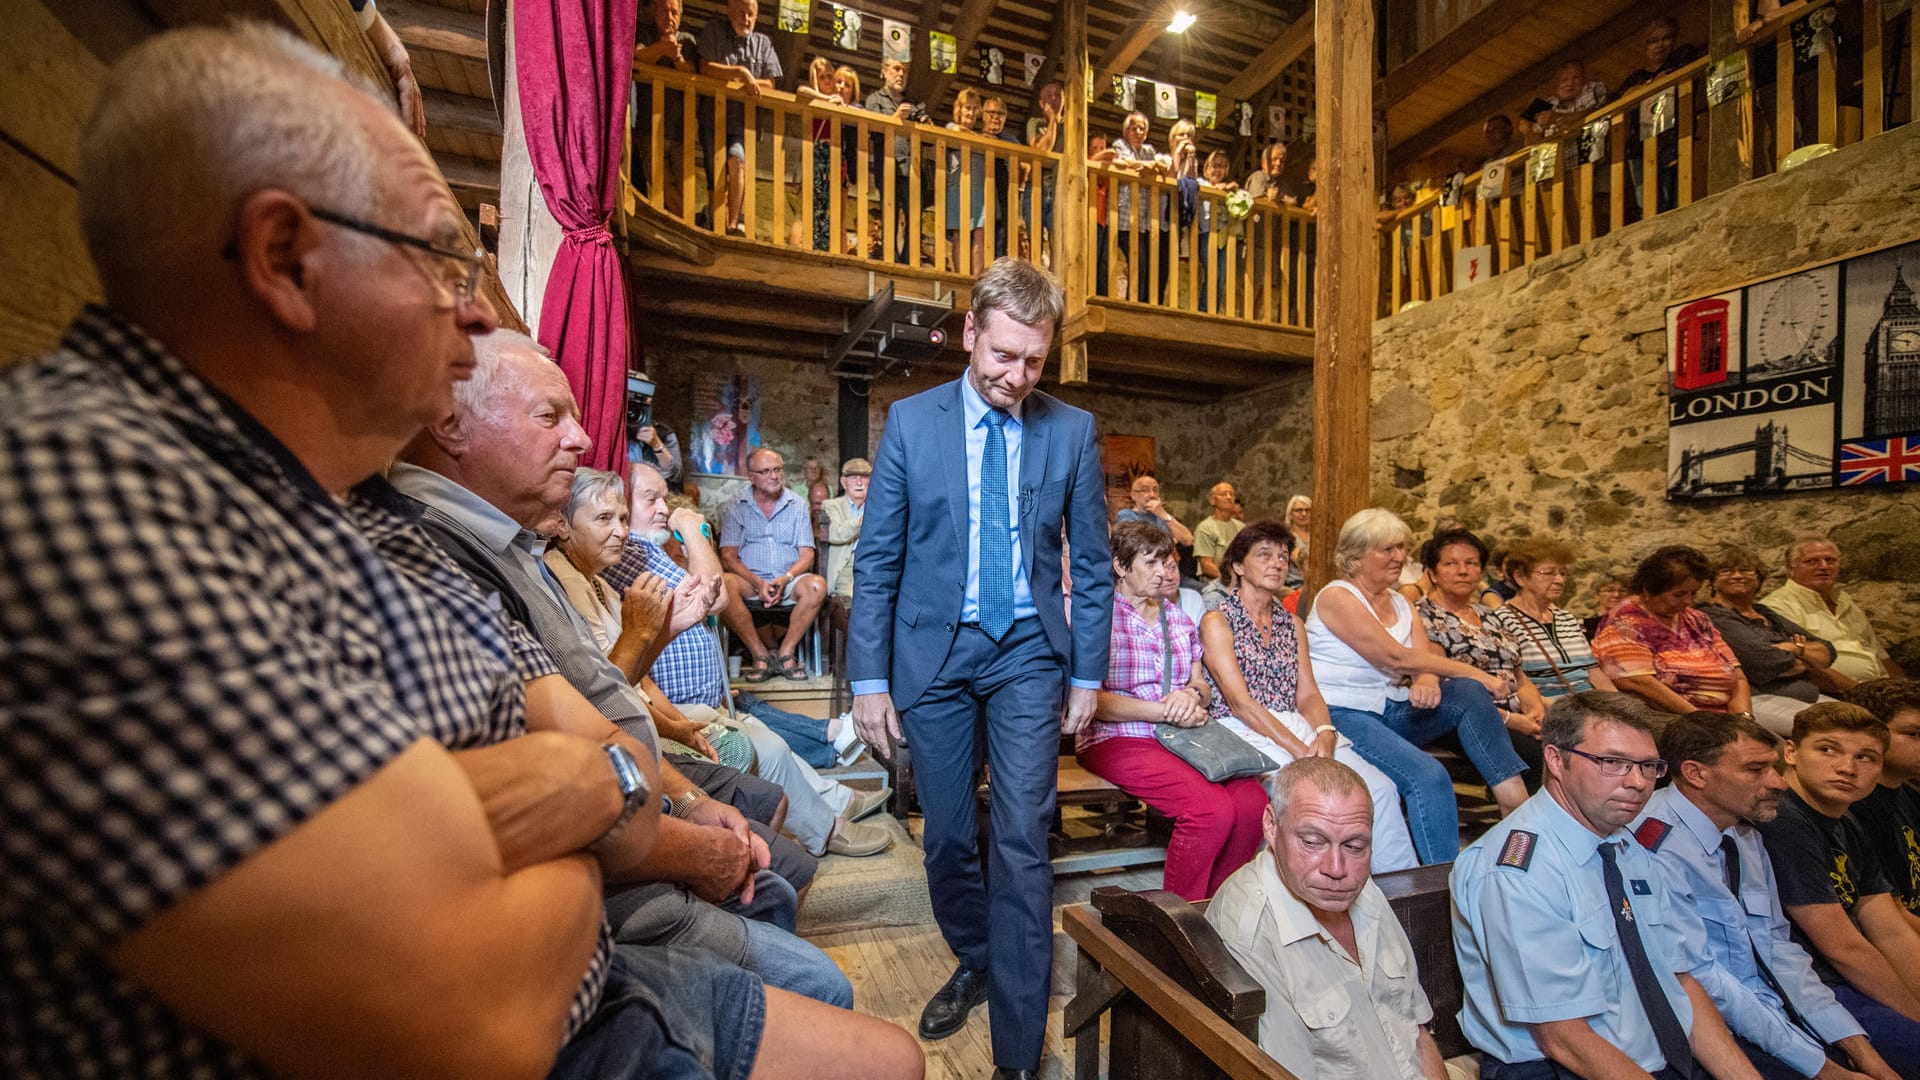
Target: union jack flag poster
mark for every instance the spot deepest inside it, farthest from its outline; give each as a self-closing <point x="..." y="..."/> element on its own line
<point x="1880" y="461"/>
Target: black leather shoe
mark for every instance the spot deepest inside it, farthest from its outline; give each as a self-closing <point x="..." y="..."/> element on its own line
<point x="947" y="1012"/>
<point x="1016" y="1074"/>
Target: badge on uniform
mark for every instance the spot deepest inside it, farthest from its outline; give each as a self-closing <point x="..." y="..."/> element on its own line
<point x="1626" y="910"/>
<point x="1518" y="852"/>
<point x="1641" y="888"/>
<point x="1652" y="833"/>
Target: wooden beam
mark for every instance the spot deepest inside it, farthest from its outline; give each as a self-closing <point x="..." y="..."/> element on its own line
<point x="1730" y="128"/>
<point x="1345" y="285"/>
<point x="967" y="25"/>
<point x="1274" y="59"/>
<point x="1280" y="349"/>
<point x="431" y="27"/>
<point x="741" y="308"/>
<point x="1436" y="59"/>
<point x="1055" y="51"/>
<point x="919" y="75"/>
<point x="1126" y="48"/>
<point x="1072" y="245"/>
<point x="470" y="174"/>
<point x="1626" y="23"/>
<point x="461" y="112"/>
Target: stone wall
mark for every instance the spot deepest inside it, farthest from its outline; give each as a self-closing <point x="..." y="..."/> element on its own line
<point x="1535" y="403"/>
<point x="1260" y="440"/>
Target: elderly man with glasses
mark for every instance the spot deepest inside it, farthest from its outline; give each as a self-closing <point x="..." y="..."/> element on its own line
<point x="767" y="548"/>
<point x="1572" y="960"/>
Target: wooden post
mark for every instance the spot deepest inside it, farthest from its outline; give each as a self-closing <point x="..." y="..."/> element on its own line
<point x="1346" y="277"/>
<point x="1729" y="140"/>
<point x="1072" y="242"/>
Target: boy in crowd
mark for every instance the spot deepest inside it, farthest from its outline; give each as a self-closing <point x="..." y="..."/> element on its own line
<point x="1863" y="943"/>
<point x="1891" y="811"/>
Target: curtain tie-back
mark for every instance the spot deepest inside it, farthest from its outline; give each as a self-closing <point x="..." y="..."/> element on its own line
<point x="596" y="233"/>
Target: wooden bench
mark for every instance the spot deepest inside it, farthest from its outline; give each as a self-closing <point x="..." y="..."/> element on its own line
<point x="1182" y="1007"/>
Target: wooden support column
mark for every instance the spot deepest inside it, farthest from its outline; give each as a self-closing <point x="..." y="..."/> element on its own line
<point x="1344" y="290"/>
<point x="1072" y="241"/>
<point x="1730" y="123"/>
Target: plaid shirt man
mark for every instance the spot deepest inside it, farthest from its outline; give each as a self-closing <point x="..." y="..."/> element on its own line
<point x="1134" y="665"/>
<point x="689" y="670"/>
<point x="202" y="650"/>
<point x="768" y="543"/>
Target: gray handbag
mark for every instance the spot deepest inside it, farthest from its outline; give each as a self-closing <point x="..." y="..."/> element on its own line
<point x="1212" y="749"/>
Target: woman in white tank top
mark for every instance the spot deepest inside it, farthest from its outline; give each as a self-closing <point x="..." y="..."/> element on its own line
<point x="1392" y="691"/>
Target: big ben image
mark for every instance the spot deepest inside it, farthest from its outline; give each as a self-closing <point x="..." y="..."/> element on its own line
<point x="1893" y="364"/>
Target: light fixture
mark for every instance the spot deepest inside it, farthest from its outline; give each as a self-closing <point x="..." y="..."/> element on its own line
<point x="1182" y="22"/>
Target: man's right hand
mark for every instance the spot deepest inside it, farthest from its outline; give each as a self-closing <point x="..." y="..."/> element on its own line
<point x="644" y="607"/>
<point x="725" y="866"/>
<point x="875" y="719"/>
<point x="686" y="521"/>
<point x="904" y="112"/>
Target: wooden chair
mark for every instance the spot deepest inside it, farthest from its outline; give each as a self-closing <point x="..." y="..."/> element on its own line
<point x="1183" y="1008"/>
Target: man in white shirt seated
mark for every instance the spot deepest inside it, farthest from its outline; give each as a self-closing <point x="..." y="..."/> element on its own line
<point x="1306" y="921"/>
<point x="1812" y="597"/>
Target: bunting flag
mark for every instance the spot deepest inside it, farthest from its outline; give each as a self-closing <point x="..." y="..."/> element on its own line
<point x="943" y="53"/>
<point x="1276" y="123"/>
<point x="796" y="16"/>
<point x="1166" y="101"/>
<point x="1035" y="61"/>
<point x="1125" y="89"/>
<point x="896" y="41"/>
<point x="1204" y="108"/>
<point x="846" y="27"/>
<point x="1245" y="109"/>
<point x="993" y="63"/>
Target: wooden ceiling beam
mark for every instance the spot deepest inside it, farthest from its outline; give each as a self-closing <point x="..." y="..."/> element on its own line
<point x="967" y="26"/>
<point x="470" y="174"/>
<point x="742" y="308"/>
<point x="1124" y="50"/>
<point x="1056" y="45"/>
<point x="1459" y="43"/>
<point x="1624" y="24"/>
<point x="461" y="112"/>
<point x="437" y="29"/>
<point x="1291" y="45"/>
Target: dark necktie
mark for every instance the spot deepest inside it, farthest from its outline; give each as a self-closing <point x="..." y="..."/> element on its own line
<point x="1731" y="852"/>
<point x="1653" y="1000"/>
<point x="996" y="533"/>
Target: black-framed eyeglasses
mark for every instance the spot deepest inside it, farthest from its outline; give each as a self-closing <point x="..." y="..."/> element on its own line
<point x="471" y="265"/>
<point x="1619" y="766"/>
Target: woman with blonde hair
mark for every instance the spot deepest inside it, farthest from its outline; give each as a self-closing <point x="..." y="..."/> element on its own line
<point x="966" y="117"/>
<point x="825" y="89"/>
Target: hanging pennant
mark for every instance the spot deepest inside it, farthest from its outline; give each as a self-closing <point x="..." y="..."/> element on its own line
<point x="1088" y="72"/>
<point x="1035" y="61"/>
<point x="796" y="16"/>
<point x="1276" y="123"/>
<point x="993" y="64"/>
<point x="1245" y="111"/>
<point x="1205" y="106"/>
<point x="896" y="41"/>
<point x="1125" y="89"/>
<point x="1166" y="102"/>
<point x="943" y="53"/>
<point x="846" y="27"/>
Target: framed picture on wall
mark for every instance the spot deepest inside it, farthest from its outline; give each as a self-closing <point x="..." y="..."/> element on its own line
<point x="726" y="423"/>
<point x="1124" y="458"/>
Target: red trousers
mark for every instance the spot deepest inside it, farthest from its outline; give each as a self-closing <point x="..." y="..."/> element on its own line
<point x="1216" y="827"/>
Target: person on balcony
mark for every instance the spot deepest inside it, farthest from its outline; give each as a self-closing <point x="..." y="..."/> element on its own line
<point x="993" y="120"/>
<point x="1270" y="182"/>
<point x="891" y="99"/>
<point x="1043" y="134"/>
<point x="1099" y="153"/>
<point x="1133" y="152"/>
<point x="966" y="117"/>
<point x="825" y="90"/>
<point x="1574" y="96"/>
<point x="731" y="49"/>
<point x="1656" y="114"/>
<point x="660" y="41"/>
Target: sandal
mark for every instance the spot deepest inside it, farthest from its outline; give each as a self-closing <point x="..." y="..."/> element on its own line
<point x="761" y="670"/>
<point x="792" y="668"/>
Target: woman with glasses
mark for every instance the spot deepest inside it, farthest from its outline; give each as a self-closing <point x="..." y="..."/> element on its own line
<point x="1658" y="646"/>
<point x="1554" y="651"/>
<point x="1776" y="655"/>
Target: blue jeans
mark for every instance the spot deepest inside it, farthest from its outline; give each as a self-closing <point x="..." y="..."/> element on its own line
<point x="668" y="1014"/>
<point x="1891" y="1033"/>
<point x="1392" y="738"/>
<point x="805" y="736"/>
<point x="757" y="936"/>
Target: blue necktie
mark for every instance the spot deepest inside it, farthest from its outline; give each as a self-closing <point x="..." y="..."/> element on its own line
<point x="996" y="536"/>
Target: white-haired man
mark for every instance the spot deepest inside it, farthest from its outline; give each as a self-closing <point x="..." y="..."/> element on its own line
<point x="1811" y="596"/>
<point x="270" y="802"/>
<point x="1308" y="923"/>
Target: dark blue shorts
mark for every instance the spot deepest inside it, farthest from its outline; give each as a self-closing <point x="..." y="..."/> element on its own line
<point x="669" y="1013"/>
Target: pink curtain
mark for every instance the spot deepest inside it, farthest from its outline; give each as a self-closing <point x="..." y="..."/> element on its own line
<point x="573" y="64"/>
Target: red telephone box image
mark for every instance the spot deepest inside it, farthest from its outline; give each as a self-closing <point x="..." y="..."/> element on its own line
<point x="1700" y="357"/>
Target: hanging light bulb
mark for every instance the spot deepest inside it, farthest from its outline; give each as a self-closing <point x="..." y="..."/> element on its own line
<point x="1182" y="22"/>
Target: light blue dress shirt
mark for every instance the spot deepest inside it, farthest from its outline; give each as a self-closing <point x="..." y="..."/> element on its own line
<point x="1536" y="942"/>
<point x="974" y="417"/>
<point x="1729" y="929"/>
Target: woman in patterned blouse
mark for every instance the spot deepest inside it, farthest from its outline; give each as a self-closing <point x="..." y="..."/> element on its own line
<point x="1657" y="645"/>
<point x="1153" y="677"/>
<point x="1467" y="631"/>
<point x="1553" y="644"/>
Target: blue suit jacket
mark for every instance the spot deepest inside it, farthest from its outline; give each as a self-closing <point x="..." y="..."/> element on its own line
<point x="910" y="573"/>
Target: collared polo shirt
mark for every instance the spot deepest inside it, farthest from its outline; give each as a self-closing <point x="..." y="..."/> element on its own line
<point x="768" y="543"/>
<point x="1856" y="645"/>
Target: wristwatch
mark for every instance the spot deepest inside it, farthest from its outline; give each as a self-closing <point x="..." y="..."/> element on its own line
<point x="633" y="789"/>
<point x="683" y="803"/>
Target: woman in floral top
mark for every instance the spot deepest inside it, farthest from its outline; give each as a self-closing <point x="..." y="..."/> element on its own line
<point x="1153" y="677"/>
<point x="1465" y="629"/>
<point x="1657" y="645"/>
<point x="1256" y="656"/>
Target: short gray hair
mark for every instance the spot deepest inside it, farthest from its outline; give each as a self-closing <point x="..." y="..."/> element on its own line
<point x="191" y="122"/>
<point x="1804" y="541"/>
<point x="475" y="395"/>
<point x="1328" y="777"/>
<point x="1020" y="290"/>
<point x="1366" y="531"/>
<point x="589" y="485"/>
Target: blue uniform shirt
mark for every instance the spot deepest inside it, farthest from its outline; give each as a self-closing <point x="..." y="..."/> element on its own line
<point x="1535" y="936"/>
<point x="1686" y="844"/>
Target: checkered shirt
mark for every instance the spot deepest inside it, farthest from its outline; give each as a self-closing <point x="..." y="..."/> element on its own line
<point x="768" y="543"/>
<point x="1134" y="665"/>
<point x="689" y="670"/>
<point x="202" y="649"/>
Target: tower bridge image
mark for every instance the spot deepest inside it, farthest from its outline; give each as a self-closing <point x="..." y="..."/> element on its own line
<point x="1774" y="460"/>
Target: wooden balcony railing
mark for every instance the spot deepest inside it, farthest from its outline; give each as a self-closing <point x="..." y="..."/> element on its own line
<point x="1646" y="154"/>
<point x="919" y="200"/>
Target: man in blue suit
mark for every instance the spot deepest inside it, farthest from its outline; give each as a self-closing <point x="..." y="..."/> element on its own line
<point x="960" y="635"/>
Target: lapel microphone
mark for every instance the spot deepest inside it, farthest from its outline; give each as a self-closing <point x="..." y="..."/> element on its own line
<point x="1026" y="501"/>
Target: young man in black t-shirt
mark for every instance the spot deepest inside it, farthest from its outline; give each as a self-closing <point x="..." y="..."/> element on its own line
<point x="1891" y="813"/>
<point x="1830" y="881"/>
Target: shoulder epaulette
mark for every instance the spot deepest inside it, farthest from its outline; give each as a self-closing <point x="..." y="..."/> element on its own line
<point x="1652" y="833"/>
<point x="1518" y="852"/>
